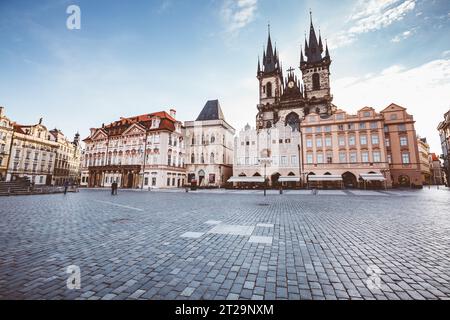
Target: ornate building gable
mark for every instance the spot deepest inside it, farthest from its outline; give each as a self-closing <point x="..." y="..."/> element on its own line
<point x="134" y="129"/>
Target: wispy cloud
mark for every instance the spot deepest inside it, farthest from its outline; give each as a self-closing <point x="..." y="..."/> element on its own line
<point x="404" y="35"/>
<point x="371" y="15"/>
<point x="238" y="13"/>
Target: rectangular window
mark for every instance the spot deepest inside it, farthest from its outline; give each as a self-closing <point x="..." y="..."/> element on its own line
<point x="329" y="157"/>
<point x="318" y="129"/>
<point x="168" y="182"/>
<point x="308" y="130"/>
<point x="275" y="160"/>
<point x="328" y="129"/>
<point x="389" y="159"/>
<point x="375" y="139"/>
<point x="328" y="142"/>
<point x="351" y="140"/>
<point x="362" y="125"/>
<point x="318" y="142"/>
<point x="341" y="127"/>
<point x="401" y="127"/>
<point x="388" y="142"/>
<point x="284" y="160"/>
<point x="376" y="156"/>
<point x="294" y="160"/>
<point x="363" y="140"/>
<point x="153" y="181"/>
<point x="351" y="126"/>
<point x="309" y="158"/>
<point x="146" y="181"/>
<point x="405" y="158"/>
<point x="342" y="157"/>
<point x="403" y="141"/>
<point x="320" y="158"/>
<point x="373" y="125"/>
<point x="365" y="157"/>
<point x="342" y="141"/>
<point x="309" y="143"/>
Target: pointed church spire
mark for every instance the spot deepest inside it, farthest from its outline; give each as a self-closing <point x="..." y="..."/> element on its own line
<point x="259" y="66"/>
<point x="302" y="58"/>
<point x="327" y="53"/>
<point x="320" y="43"/>
<point x="313" y="53"/>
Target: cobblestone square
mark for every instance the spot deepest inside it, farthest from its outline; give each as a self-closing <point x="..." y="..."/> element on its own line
<point x="227" y="245"/>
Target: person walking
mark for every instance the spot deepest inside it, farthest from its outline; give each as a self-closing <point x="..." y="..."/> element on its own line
<point x="66" y="186"/>
<point x="113" y="188"/>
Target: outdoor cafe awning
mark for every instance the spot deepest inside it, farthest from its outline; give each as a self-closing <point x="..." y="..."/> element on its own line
<point x="247" y="179"/>
<point x="372" y="177"/>
<point x="289" y="179"/>
<point x="324" y="178"/>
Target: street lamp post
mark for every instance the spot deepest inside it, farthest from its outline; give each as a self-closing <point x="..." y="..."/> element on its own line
<point x="265" y="162"/>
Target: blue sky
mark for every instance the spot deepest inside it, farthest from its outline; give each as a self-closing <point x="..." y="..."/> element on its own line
<point x="134" y="57"/>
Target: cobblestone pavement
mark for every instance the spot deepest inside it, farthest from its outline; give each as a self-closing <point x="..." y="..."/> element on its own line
<point x="227" y="245"/>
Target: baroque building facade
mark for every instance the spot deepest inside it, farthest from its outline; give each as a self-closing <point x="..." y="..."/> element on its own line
<point x="136" y="152"/>
<point x="6" y="133"/>
<point x="302" y="138"/>
<point x="209" y="147"/>
<point x="67" y="161"/>
<point x="33" y="153"/>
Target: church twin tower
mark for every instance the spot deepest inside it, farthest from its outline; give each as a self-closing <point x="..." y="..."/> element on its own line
<point x="287" y="99"/>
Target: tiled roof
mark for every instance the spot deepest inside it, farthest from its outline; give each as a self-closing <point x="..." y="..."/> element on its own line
<point x="118" y="127"/>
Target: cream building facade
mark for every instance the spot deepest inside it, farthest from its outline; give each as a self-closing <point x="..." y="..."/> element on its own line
<point x="33" y="154"/>
<point x="209" y="147"/>
<point x="67" y="162"/>
<point x="6" y="134"/>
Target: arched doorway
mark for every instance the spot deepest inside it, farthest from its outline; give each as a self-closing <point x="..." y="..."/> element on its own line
<point x="349" y="180"/>
<point x="404" y="181"/>
<point x="274" y="179"/>
<point x="201" y="177"/>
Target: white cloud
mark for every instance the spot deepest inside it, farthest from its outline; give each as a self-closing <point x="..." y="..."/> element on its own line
<point x="238" y="13"/>
<point x="371" y="15"/>
<point x="423" y="90"/>
<point x="404" y="35"/>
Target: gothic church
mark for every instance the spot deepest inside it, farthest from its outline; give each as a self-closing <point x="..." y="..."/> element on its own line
<point x="287" y="99"/>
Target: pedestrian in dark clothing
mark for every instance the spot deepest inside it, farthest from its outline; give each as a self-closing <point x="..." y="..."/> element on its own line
<point x="66" y="186"/>
<point x="113" y="188"/>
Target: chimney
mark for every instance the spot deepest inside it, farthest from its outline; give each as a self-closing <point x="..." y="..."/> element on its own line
<point x="173" y="113"/>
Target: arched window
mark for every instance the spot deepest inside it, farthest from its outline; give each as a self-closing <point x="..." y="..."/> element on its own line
<point x="293" y="120"/>
<point x="211" y="158"/>
<point x="203" y="158"/>
<point x="192" y="158"/>
<point x="213" y="139"/>
<point x="269" y="89"/>
<point x="316" y="81"/>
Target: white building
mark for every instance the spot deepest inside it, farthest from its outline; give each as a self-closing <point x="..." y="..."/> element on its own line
<point x="136" y="152"/>
<point x="209" y="142"/>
